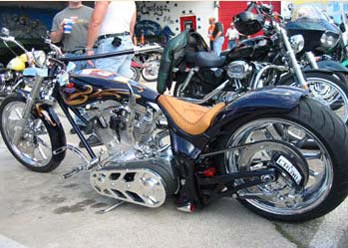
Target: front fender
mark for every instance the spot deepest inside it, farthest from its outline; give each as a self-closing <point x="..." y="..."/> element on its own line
<point x="258" y="102"/>
<point x="46" y="113"/>
<point x="23" y="93"/>
<point x="331" y="65"/>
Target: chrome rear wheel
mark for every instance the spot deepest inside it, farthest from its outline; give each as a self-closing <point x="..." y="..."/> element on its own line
<point x="280" y="197"/>
<point x="325" y="162"/>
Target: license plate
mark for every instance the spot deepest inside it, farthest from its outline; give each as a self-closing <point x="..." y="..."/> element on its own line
<point x="288" y="166"/>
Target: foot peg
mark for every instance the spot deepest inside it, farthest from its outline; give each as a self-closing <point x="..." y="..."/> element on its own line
<point x="74" y="171"/>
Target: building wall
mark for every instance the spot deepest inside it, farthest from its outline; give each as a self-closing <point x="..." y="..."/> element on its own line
<point x="168" y="13"/>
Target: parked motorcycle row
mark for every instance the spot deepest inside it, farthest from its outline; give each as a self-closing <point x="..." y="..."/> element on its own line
<point x="265" y="123"/>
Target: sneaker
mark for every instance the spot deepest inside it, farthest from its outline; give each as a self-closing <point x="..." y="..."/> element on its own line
<point x="93" y="141"/>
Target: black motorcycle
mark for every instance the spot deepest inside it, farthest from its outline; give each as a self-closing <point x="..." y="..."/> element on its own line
<point x="229" y="150"/>
<point x="255" y="63"/>
<point x="322" y="38"/>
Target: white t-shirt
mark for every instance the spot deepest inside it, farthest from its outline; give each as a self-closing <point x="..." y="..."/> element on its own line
<point x="232" y="34"/>
<point x="118" y="17"/>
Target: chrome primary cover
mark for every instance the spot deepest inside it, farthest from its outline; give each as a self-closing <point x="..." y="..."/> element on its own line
<point x="145" y="183"/>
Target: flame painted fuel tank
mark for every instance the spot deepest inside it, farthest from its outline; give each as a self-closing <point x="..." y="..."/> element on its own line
<point x="94" y="84"/>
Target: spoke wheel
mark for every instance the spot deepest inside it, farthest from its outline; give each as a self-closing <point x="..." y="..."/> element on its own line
<point x="150" y="72"/>
<point x="328" y="90"/>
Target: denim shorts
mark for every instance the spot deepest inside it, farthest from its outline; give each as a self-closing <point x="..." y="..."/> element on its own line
<point x="80" y="65"/>
<point x="120" y="65"/>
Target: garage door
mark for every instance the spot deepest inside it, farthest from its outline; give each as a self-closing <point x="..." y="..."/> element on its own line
<point x="229" y="9"/>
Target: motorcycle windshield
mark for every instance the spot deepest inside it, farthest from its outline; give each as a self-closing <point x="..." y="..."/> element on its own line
<point x="309" y="13"/>
<point x="311" y="18"/>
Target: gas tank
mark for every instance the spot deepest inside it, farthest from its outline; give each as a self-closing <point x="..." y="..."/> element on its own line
<point x="17" y="63"/>
<point x="92" y="85"/>
<point x="251" y="49"/>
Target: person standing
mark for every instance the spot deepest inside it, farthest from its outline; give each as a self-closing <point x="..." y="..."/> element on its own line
<point x="232" y="35"/>
<point x="111" y="27"/>
<point x="210" y="32"/>
<point x="218" y="35"/>
<point x="70" y="26"/>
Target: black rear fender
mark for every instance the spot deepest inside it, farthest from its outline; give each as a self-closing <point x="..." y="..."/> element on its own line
<point x="253" y="103"/>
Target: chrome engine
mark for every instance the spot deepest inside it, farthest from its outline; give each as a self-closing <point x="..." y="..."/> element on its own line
<point x="138" y="166"/>
<point x="6" y="81"/>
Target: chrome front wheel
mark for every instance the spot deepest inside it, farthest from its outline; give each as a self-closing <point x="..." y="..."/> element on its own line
<point x="35" y="148"/>
<point x="328" y="90"/>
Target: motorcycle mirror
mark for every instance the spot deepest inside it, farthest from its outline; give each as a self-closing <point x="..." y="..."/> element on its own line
<point x="5" y="31"/>
<point x="290" y="6"/>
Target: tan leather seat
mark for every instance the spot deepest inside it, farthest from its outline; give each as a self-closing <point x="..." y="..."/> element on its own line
<point x="191" y="118"/>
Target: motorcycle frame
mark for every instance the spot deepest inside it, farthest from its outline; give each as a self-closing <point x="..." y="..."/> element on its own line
<point x="186" y="148"/>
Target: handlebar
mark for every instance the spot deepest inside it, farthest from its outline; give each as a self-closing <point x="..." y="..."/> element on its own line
<point x="97" y="56"/>
<point x="13" y="40"/>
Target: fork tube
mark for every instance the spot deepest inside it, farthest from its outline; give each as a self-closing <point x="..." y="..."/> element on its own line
<point x="293" y="59"/>
<point x="311" y="59"/>
<point x="30" y="101"/>
<point x="188" y="78"/>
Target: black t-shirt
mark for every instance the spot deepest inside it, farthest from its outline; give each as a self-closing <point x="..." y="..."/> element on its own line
<point x="218" y="28"/>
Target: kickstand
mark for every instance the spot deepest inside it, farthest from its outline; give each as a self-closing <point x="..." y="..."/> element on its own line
<point x="106" y="210"/>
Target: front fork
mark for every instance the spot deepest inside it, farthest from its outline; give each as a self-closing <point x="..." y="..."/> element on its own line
<point x="290" y="52"/>
<point x="30" y="101"/>
<point x="311" y="59"/>
<point x="187" y="80"/>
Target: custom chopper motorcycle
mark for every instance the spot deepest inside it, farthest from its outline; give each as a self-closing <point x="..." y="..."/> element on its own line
<point x="238" y="149"/>
<point x="255" y="63"/>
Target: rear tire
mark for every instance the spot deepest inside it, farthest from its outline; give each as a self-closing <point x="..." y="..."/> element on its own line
<point x="135" y="74"/>
<point x="331" y="133"/>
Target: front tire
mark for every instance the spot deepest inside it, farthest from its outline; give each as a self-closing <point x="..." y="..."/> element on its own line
<point x="327" y="89"/>
<point x="40" y="139"/>
<point x="327" y="186"/>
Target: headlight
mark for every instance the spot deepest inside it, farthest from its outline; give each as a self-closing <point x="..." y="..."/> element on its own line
<point x="297" y="43"/>
<point x="40" y="57"/>
<point x="329" y="39"/>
